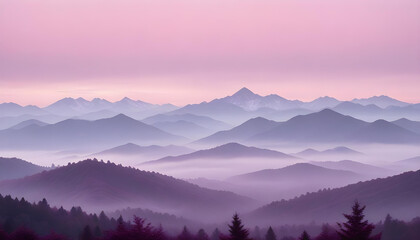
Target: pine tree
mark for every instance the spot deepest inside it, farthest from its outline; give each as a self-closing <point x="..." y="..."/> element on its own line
<point x="270" y="235"/>
<point x="237" y="230"/>
<point x="304" y="236"/>
<point x="355" y="228"/>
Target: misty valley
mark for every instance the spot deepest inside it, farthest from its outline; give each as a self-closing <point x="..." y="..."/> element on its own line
<point x="240" y="167"/>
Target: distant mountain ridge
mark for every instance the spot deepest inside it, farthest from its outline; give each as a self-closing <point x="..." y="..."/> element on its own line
<point x="13" y="168"/>
<point x="100" y="186"/>
<point x="76" y="133"/>
<point x="152" y="150"/>
<point x="397" y="195"/>
<point x="233" y="109"/>
<point x="380" y="101"/>
<point x="241" y="132"/>
<point x="323" y="126"/>
<point x="332" y="151"/>
<point x="226" y="151"/>
<point x="330" y="126"/>
<point x="296" y="173"/>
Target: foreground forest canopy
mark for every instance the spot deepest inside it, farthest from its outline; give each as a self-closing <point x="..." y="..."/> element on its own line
<point x="21" y="220"/>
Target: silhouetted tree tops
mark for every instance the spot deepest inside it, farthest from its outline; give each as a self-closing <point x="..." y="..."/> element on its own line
<point x="270" y="235"/>
<point x="356" y="228"/>
<point x="21" y="220"/>
<point x="237" y="231"/>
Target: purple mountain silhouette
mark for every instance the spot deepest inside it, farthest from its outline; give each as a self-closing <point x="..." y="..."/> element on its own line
<point x="27" y="123"/>
<point x="300" y="172"/>
<point x="321" y="103"/>
<point x="360" y="168"/>
<point x="412" y="126"/>
<point x="397" y="195"/>
<point x="14" y="110"/>
<point x="153" y="150"/>
<point x="380" y="101"/>
<point x="12" y="168"/>
<point x="250" y="101"/>
<point x="216" y="109"/>
<point x="226" y="151"/>
<point x="98" y="108"/>
<point x="74" y="133"/>
<point x="330" y="126"/>
<point x="241" y="132"/>
<point x="333" y="151"/>
<point x="100" y="186"/>
<point x="206" y="122"/>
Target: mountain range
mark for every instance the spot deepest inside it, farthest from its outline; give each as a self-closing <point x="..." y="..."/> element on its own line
<point x="298" y="173"/>
<point x="354" y="166"/>
<point x="153" y="151"/>
<point x="223" y="152"/>
<point x="100" y="186"/>
<point x="233" y="109"/>
<point x="397" y="195"/>
<point x="324" y="126"/>
<point x="13" y="168"/>
<point x="287" y="182"/>
<point x="73" y="133"/>
<point x="329" y="152"/>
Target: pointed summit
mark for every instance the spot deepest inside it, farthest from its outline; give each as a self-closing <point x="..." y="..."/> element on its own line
<point x="244" y="92"/>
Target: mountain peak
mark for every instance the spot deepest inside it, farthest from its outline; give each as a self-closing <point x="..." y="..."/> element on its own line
<point x="126" y="99"/>
<point x="327" y="111"/>
<point x="243" y="91"/>
<point x="121" y="116"/>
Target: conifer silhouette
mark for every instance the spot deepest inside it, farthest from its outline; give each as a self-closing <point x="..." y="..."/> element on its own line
<point x="237" y="230"/>
<point x="355" y="228"/>
<point x="304" y="236"/>
<point x="270" y="235"/>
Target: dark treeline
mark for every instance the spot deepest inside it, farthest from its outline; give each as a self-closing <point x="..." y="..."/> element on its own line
<point x="21" y="220"/>
<point x="20" y="216"/>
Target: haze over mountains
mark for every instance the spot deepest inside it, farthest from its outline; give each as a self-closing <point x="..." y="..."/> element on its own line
<point x="323" y="126"/>
<point x="233" y="109"/>
<point x="13" y="168"/>
<point x="238" y="152"/>
<point x="72" y="133"/>
<point x="224" y="152"/>
<point x="100" y="186"/>
<point x="396" y="195"/>
<point x="143" y="152"/>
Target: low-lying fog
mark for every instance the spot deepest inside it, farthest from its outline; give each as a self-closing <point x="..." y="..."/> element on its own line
<point x="217" y="173"/>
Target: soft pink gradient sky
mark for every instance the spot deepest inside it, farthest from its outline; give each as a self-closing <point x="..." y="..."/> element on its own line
<point x="184" y="51"/>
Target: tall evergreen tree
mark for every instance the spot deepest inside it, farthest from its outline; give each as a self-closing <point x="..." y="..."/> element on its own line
<point x="355" y="228"/>
<point x="270" y="235"/>
<point x="237" y="230"/>
<point x="304" y="236"/>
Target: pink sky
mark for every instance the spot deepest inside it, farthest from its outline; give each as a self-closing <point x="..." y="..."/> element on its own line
<point x="184" y="51"/>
